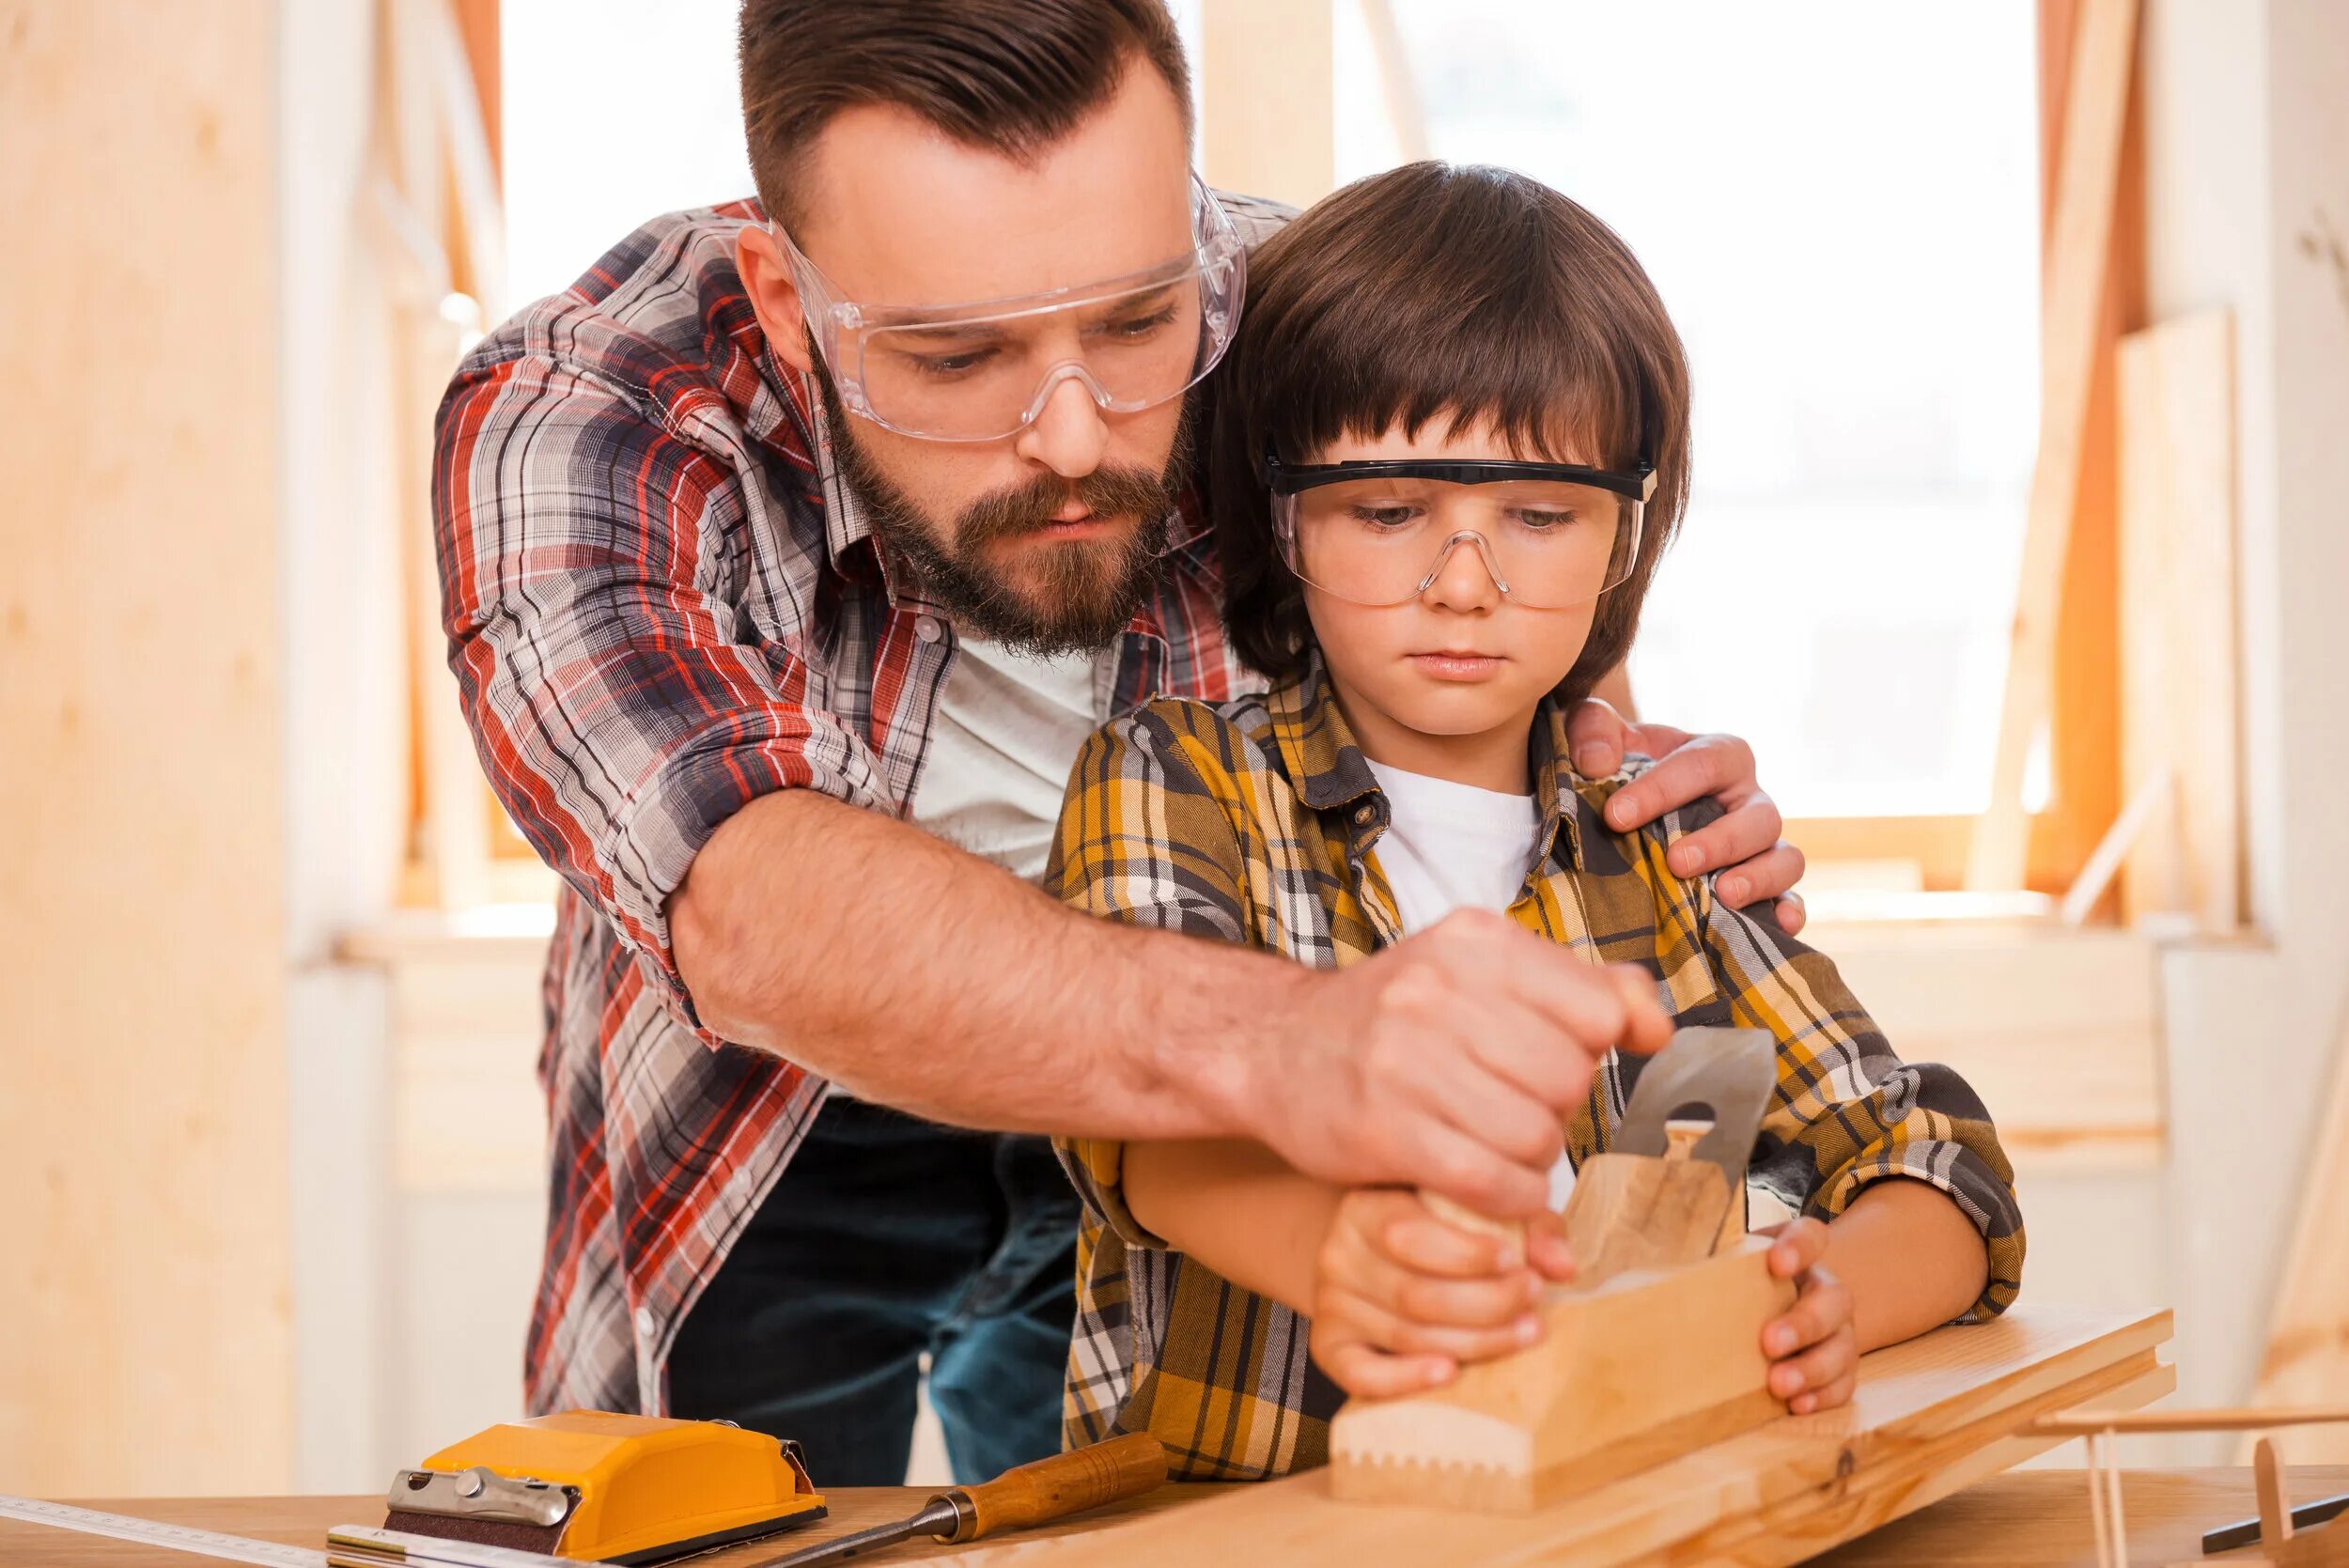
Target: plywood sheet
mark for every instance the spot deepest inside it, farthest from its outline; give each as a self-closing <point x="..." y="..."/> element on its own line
<point x="1929" y="1415"/>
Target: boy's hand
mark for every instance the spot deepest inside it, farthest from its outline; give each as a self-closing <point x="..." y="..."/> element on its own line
<point x="1401" y="1298"/>
<point x="1814" y="1355"/>
<point x="1761" y="865"/>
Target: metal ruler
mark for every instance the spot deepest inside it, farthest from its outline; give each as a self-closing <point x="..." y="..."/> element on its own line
<point x="350" y="1543"/>
<point x="147" y="1533"/>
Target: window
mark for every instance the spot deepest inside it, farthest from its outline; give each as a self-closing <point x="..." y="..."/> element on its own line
<point x="1855" y="274"/>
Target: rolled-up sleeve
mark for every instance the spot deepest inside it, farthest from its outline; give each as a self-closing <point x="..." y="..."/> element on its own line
<point x="589" y="599"/>
<point x="1848" y="1112"/>
<point x="1143" y="838"/>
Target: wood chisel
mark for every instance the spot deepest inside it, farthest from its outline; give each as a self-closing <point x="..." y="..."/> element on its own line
<point x="1034" y="1494"/>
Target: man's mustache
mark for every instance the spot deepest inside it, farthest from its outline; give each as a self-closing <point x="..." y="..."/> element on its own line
<point x="1025" y="508"/>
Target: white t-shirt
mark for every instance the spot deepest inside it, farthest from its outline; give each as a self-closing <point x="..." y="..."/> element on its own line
<point x="1454" y="847"/>
<point x="1008" y="729"/>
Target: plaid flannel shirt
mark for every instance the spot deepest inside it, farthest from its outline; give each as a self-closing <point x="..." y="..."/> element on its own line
<point x="1257" y="821"/>
<point x="660" y="604"/>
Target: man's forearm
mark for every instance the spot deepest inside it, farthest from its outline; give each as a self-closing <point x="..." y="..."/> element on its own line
<point x="911" y="973"/>
<point x="1910" y="1258"/>
<point x="1238" y="1208"/>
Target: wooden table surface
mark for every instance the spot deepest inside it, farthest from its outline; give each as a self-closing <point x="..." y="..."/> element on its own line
<point x="2021" y="1519"/>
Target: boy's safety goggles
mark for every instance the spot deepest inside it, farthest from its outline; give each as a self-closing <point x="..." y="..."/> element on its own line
<point x="984" y="371"/>
<point x="1553" y="535"/>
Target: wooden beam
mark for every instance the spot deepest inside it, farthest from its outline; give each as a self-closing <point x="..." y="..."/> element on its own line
<point x="2178" y="708"/>
<point x="2073" y="321"/>
<point x="2307" y="1336"/>
<point x="478" y="24"/>
<point x="1267" y="86"/>
<point x="149" y="1347"/>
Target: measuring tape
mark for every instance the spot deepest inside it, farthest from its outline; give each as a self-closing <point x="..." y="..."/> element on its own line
<point x="349" y="1543"/>
<point x="147" y="1533"/>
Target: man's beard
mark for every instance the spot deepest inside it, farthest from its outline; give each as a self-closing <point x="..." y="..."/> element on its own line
<point x="1081" y="593"/>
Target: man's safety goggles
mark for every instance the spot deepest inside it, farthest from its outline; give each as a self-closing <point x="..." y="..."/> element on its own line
<point x="1552" y="535"/>
<point x="984" y="371"/>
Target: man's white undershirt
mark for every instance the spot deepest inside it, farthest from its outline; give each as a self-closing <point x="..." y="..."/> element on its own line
<point x="1454" y="847"/>
<point x="1008" y="729"/>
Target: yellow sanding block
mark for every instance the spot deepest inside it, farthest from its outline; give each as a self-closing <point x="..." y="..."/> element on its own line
<point x="599" y="1487"/>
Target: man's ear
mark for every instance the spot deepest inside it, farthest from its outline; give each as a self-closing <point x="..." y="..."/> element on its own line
<point x="774" y="297"/>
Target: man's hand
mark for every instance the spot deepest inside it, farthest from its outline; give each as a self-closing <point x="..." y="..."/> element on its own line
<point x="1689" y="767"/>
<point x="1402" y="1299"/>
<point x="1813" y="1349"/>
<point x="1450" y="1060"/>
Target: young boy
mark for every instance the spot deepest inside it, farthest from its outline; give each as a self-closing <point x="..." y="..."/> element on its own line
<point x="1450" y="443"/>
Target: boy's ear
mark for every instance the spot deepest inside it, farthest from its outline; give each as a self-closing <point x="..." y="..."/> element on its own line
<point x="774" y="297"/>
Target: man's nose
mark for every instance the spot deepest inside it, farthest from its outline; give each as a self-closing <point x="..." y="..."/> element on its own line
<point x="1068" y="435"/>
<point x="1465" y="580"/>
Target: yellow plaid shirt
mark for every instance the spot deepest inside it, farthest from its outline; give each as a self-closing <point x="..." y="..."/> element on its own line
<point x="1257" y="821"/>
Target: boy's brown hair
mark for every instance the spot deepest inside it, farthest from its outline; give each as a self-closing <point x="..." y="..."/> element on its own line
<point x="1012" y="75"/>
<point x="1433" y="290"/>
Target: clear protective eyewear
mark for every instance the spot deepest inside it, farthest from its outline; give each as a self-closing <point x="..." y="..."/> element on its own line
<point x="1553" y="535"/>
<point x="985" y="370"/>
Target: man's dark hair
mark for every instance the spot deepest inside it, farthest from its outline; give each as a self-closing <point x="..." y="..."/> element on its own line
<point x="1470" y="293"/>
<point x="1012" y="75"/>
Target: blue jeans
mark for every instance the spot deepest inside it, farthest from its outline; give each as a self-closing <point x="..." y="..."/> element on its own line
<point x="887" y="1238"/>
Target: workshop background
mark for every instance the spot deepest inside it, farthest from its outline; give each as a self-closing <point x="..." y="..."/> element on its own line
<point x="2018" y="551"/>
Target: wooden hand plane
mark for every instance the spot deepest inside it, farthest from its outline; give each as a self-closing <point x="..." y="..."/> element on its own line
<point x="1652" y="1349"/>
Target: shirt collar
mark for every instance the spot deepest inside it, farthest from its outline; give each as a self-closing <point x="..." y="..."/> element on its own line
<point x="1327" y="764"/>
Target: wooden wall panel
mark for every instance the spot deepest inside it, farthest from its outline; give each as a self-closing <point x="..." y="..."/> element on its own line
<point x="144" y="1339"/>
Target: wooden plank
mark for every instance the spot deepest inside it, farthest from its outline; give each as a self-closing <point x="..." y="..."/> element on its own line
<point x="1639" y="1369"/>
<point x="1926" y="1404"/>
<point x="145" y="1333"/>
<point x="2079" y="267"/>
<point x="2178" y="702"/>
<point x="2307" y="1338"/>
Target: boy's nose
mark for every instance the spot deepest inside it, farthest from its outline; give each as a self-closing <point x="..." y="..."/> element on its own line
<point x="1069" y="435"/>
<point x="1464" y="578"/>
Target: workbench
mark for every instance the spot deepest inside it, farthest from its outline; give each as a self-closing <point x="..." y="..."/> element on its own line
<point x="2020" y="1519"/>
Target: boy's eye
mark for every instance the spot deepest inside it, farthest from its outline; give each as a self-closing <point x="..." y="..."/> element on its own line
<point x="1384" y="517"/>
<point x="1536" y="518"/>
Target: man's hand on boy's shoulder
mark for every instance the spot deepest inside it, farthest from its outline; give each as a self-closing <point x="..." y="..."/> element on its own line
<point x="1760" y="864"/>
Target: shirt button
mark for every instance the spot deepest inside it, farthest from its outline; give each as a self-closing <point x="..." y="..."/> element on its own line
<point x="929" y="629"/>
<point x="644" y="1321"/>
<point x="1364" y="815"/>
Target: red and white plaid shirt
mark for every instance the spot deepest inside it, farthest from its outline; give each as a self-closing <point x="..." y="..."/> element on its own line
<point x="661" y="603"/>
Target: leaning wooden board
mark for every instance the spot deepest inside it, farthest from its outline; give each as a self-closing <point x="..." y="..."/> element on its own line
<point x="1931" y="1416"/>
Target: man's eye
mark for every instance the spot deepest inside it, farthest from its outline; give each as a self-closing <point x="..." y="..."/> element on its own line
<point x="946" y="367"/>
<point x="1134" y="329"/>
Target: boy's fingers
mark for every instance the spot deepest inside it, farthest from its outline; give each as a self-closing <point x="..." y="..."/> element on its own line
<point x="1546" y="1249"/>
<point x="1401" y="1296"/>
<point x="1817" y="1369"/>
<point x="1793" y="914"/>
<point x="1800" y="1243"/>
<point x="1365" y="1369"/>
<point x="1419" y="1240"/>
<point x="1820" y="1310"/>
<point x="1835" y="1394"/>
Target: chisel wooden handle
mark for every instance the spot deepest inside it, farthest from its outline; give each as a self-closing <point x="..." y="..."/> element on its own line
<point x="1065" y="1484"/>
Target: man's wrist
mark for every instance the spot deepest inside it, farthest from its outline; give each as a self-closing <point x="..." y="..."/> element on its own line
<point x="1216" y="1065"/>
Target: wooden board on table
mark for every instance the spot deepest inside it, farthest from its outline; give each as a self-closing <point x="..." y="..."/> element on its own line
<point x="2177" y="615"/>
<point x="1930" y="1415"/>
